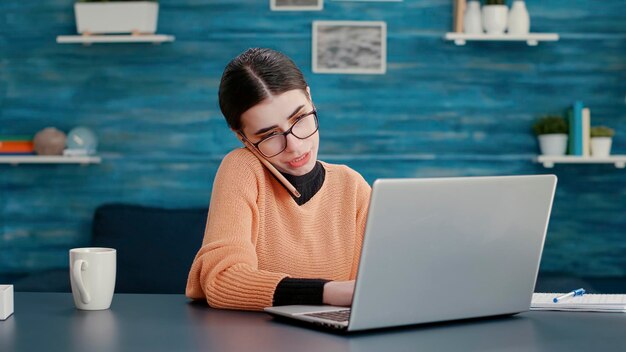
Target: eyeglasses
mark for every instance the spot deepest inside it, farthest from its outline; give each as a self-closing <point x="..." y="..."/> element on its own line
<point x="305" y="126"/>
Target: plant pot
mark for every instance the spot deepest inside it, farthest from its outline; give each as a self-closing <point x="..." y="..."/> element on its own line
<point x="553" y="144"/>
<point x="601" y="146"/>
<point x="116" y="17"/>
<point x="495" y="18"/>
<point x="519" y="21"/>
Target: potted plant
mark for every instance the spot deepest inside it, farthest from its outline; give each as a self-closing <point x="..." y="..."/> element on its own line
<point x="601" y="140"/>
<point x="495" y="14"/>
<point x="551" y="130"/>
<point x="120" y="16"/>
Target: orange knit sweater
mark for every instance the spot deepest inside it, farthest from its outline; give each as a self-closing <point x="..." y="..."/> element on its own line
<point x="256" y="234"/>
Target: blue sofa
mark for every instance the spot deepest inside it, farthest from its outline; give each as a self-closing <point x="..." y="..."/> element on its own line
<point x="155" y="249"/>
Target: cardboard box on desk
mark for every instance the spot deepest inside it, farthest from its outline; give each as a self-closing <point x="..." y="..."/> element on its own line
<point x="6" y="301"/>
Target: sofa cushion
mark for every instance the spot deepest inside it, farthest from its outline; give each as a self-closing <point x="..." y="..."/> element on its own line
<point x="155" y="246"/>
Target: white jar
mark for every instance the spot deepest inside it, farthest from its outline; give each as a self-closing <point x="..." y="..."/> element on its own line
<point x="495" y="18"/>
<point x="519" y="21"/>
<point x="472" y="19"/>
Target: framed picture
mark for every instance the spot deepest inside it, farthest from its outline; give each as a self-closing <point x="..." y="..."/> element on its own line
<point x="354" y="47"/>
<point x="296" y="5"/>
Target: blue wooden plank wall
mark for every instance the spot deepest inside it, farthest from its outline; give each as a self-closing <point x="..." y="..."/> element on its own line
<point x="440" y="110"/>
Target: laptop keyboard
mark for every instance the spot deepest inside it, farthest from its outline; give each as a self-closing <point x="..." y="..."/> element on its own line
<point x="338" y="315"/>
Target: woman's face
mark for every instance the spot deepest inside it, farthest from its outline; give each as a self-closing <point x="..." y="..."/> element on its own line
<point x="277" y="114"/>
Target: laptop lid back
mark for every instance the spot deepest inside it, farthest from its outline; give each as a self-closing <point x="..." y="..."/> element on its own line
<point x="450" y="248"/>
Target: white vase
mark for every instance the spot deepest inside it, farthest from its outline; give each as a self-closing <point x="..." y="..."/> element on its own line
<point x="495" y="18"/>
<point x="116" y="17"/>
<point x="519" y="21"/>
<point x="553" y="144"/>
<point x="601" y="146"/>
<point x="472" y="19"/>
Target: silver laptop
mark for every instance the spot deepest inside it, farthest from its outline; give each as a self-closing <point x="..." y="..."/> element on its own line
<point x="443" y="249"/>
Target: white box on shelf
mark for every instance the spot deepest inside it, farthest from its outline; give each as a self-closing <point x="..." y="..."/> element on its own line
<point x="6" y="301"/>
<point x="116" y="17"/>
<point x="75" y="152"/>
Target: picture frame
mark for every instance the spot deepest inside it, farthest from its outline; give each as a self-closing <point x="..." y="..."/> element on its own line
<point x="349" y="47"/>
<point x="296" y="5"/>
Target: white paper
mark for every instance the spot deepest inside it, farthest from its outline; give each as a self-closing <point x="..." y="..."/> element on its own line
<point x="584" y="303"/>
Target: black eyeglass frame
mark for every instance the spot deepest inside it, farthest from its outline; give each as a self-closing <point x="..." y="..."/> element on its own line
<point x="284" y="134"/>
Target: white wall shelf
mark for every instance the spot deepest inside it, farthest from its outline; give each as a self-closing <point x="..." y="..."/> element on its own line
<point x="532" y="39"/>
<point x="548" y="161"/>
<point x="129" y="38"/>
<point x="36" y="159"/>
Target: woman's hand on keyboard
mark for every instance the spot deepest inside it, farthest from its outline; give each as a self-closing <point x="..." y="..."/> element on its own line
<point x="338" y="293"/>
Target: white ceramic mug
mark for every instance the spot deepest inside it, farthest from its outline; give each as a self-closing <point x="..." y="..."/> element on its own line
<point x="92" y="275"/>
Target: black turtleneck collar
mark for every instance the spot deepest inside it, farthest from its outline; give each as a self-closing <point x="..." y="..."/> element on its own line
<point x="307" y="184"/>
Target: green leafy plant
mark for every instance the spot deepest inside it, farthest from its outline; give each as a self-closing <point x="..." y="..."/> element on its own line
<point x="495" y="2"/>
<point x="601" y="131"/>
<point x="550" y="124"/>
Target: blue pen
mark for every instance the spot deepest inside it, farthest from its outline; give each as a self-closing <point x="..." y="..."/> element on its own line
<point x="579" y="292"/>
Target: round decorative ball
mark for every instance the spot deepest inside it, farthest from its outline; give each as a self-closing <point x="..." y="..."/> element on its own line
<point x="49" y="141"/>
<point x="82" y="138"/>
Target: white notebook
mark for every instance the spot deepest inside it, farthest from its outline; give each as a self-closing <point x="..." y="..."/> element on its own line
<point x="584" y="303"/>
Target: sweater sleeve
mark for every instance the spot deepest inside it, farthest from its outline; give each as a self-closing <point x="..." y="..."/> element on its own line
<point x="299" y="291"/>
<point x="225" y="271"/>
<point x="363" y="194"/>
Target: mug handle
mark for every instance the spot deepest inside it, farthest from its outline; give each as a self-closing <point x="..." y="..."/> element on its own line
<point x="81" y="265"/>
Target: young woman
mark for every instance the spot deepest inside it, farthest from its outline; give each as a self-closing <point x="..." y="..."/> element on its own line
<point x="264" y="246"/>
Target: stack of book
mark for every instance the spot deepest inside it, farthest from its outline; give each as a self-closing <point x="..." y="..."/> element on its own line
<point x="16" y="145"/>
<point x="579" y="118"/>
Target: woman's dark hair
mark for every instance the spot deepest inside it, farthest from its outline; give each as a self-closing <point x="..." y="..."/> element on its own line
<point x="253" y="76"/>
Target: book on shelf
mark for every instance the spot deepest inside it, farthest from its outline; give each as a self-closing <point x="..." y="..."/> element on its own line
<point x="586" y="130"/>
<point x="13" y="138"/>
<point x="16" y="147"/>
<point x="457" y="15"/>
<point x="575" y="120"/>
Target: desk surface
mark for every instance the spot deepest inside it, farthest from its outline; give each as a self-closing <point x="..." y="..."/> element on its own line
<point x="49" y="321"/>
